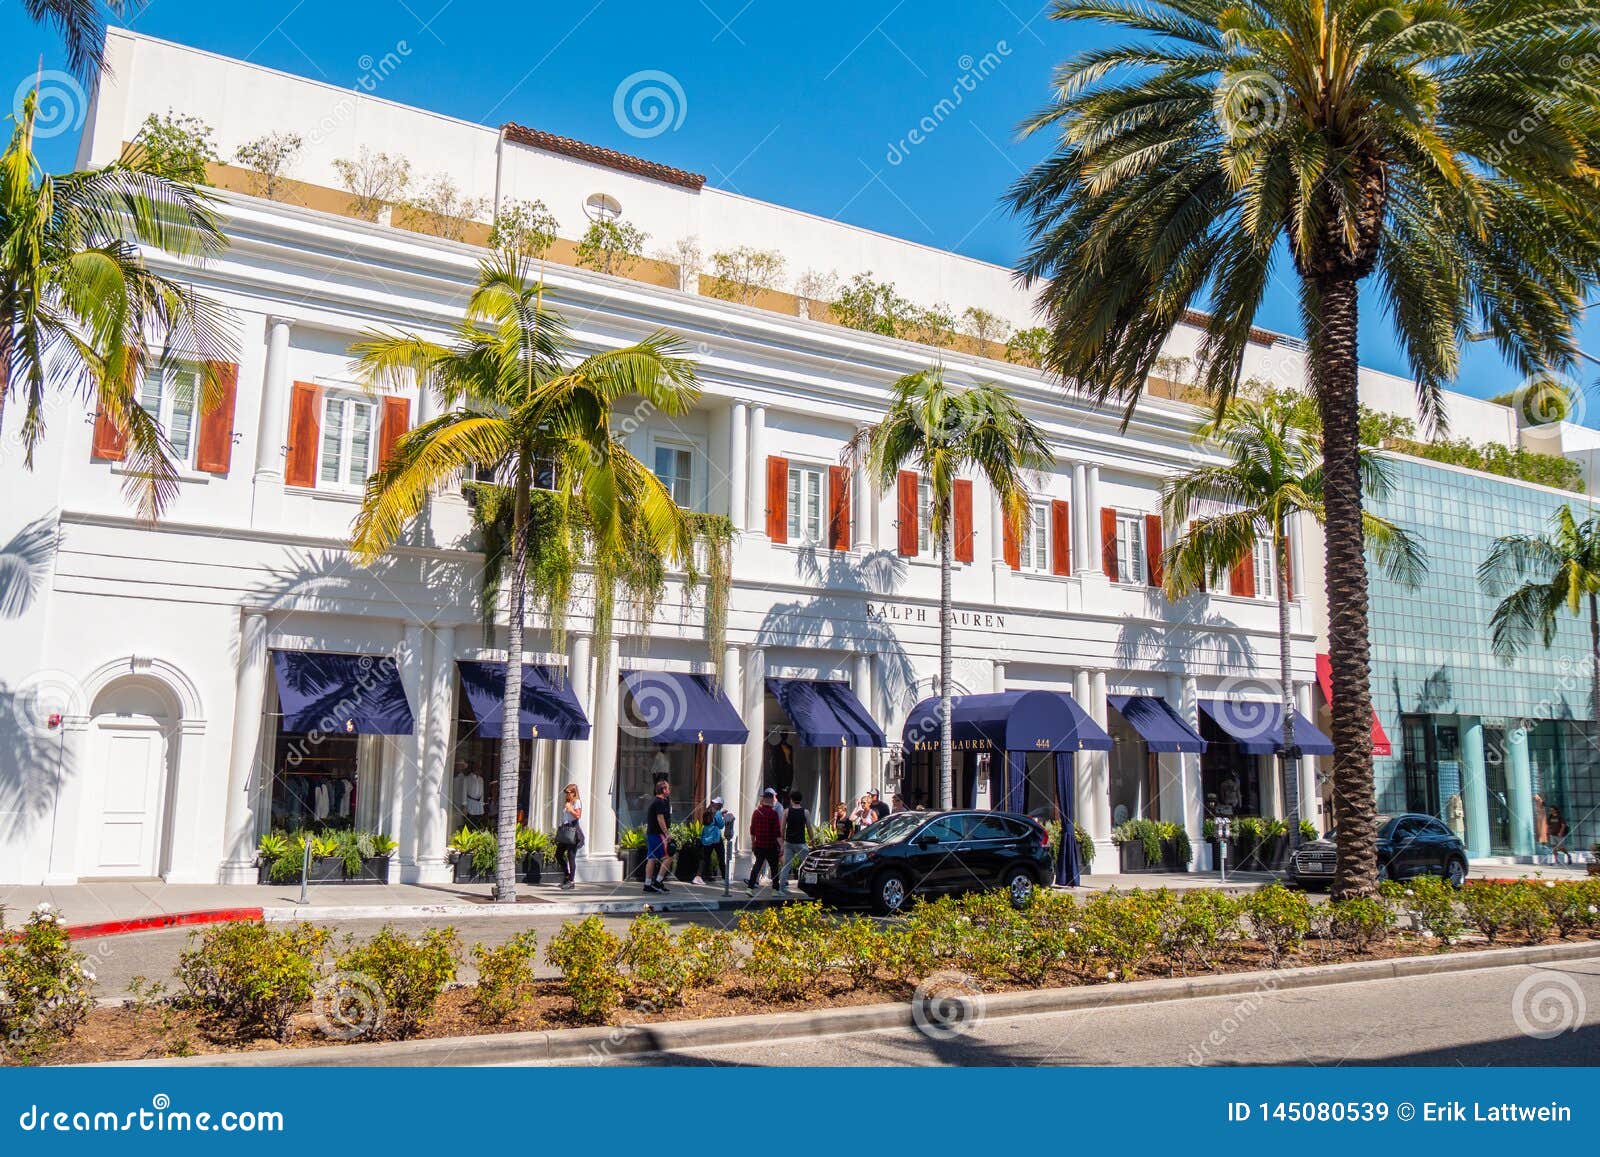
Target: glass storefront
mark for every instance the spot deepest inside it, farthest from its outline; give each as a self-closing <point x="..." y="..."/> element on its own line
<point x="787" y="766"/>
<point x="641" y="762"/>
<point x="1134" y="791"/>
<point x="320" y="781"/>
<point x="475" y="777"/>
<point x="1230" y="779"/>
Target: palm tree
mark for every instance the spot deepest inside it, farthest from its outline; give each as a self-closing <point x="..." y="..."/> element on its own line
<point x="78" y="303"/>
<point x="1544" y="576"/>
<point x="1274" y="472"/>
<point x="513" y="396"/>
<point x="1448" y="149"/>
<point x="82" y="25"/>
<point x="943" y="432"/>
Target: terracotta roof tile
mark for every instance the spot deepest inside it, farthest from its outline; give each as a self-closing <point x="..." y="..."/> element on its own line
<point x="595" y="154"/>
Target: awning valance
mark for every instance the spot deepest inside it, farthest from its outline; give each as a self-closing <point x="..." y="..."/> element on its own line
<point x="1258" y="726"/>
<point x="339" y="694"/>
<point x="549" y="708"/>
<point x="826" y="714"/>
<point x="1007" y="721"/>
<point x="1162" y="728"/>
<point x="677" y="707"/>
<point x="1380" y="739"/>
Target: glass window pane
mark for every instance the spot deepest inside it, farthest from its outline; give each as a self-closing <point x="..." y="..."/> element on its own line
<point x="814" y="505"/>
<point x="332" y="439"/>
<point x="150" y="394"/>
<point x="180" y="431"/>
<point x="360" y="444"/>
<point x="794" y="504"/>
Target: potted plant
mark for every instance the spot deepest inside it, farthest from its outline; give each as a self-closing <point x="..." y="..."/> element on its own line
<point x="271" y="848"/>
<point x="687" y="864"/>
<point x="630" y="850"/>
<point x="1176" y="850"/>
<point x="364" y="856"/>
<point x="1138" y="846"/>
<point x="474" y="855"/>
<point x="535" y="849"/>
<point x="1274" y="853"/>
<point x="1247" y="837"/>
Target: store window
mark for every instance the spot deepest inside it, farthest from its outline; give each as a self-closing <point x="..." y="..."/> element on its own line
<point x="1036" y="539"/>
<point x="1134" y="791"/>
<point x="674" y="465"/>
<point x="321" y="781"/>
<point x="171" y="397"/>
<point x="1130" y="549"/>
<point x="807" y="486"/>
<point x="349" y="426"/>
<point x="642" y="762"/>
<point x="1266" y="582"/>
<point x="475" y="779"/>
<point x="924" y="516"/>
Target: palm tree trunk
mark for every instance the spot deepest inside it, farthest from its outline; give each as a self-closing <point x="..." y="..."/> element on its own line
<point x="1289" y="761"/>
<point x="946" y="745"/>
<point x="1333" y="373"/>
<point x="505" y="872"/>
<point x="5" y="364"/>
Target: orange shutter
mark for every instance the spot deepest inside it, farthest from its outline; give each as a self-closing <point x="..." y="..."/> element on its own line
<point x="396" y="421"/>
<point x="305" y="430"/>
<point x="1060" y="538"/>
<point x="109" y="442"/>
<point x="1242" y="578"/>
<point x="1153" y="548"/>
<point x="1011" y="541"/>
<point x="963" y="520"/>
<point x="213" y="450"/>
<point x="906" y="511"/>
<point x="777" y="498"/>
<point x="1108" y="542"/>
<point x="839" y="507"/>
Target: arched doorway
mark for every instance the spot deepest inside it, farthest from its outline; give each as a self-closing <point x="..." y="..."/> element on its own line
<point x="131" y="753"/>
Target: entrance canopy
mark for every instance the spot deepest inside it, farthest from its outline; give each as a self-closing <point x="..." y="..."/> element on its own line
<point x="1380" y="740"/>
<point x="341" y="694"/>
<point x="826" y="714"/>
<point x="1008" y="721"/>
<point x="1258" y="726"/>
<point x="677" y="707"/>
<point x="549" y="708"/>
<point x="1162" y="728"/>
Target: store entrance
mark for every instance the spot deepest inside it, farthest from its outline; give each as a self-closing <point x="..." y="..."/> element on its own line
<point x="1230" y="778"/>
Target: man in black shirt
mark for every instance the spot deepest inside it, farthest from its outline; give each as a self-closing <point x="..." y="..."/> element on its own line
<point x="795" y="825"/>
<point x="657" y="830"/>
<point x="879" y="808"/>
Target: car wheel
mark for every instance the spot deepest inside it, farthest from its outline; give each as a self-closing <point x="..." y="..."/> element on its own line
<point x="891" y="895"/>
<point x="1456" y="872"/>
<point x="1019" y="884"/>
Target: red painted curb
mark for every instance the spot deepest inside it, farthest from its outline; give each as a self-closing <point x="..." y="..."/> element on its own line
<point x="168" y="920"/>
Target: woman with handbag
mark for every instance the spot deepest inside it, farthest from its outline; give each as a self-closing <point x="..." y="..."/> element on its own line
<point x="569" y="836"/>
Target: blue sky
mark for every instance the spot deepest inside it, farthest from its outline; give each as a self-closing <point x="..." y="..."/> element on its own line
<point x="806" y="105"/>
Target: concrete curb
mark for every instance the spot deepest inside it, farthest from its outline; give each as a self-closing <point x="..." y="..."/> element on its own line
<point x="735" y="903"/>
<point x="595" y="1046"/>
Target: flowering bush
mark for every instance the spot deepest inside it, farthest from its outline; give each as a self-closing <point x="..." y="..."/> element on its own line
<point x="1202" y="922"/>
<point x="46" y="989"/>
<point x="248" y="980"/>
<point x="1431" y="901"/>
<point x="709" y="951"/>
<point x="408" y="973"/>
<point x="505" y="974"/>
<point x="1360" y="922"/>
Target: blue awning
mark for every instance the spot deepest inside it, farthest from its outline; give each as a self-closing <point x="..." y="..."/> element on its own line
<point x="1162" y="728"/>
<point x="1258" y="726"/>
<point x="826" y="714"/>
<point x="1008" y="721"/>
<point x="341" y="694"/>
<point x="549" y="708"/>
<point x="674" y="707"/>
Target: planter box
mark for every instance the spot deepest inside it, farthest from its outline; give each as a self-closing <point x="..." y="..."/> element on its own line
<point x="1131" y="859"/>
<point x="687" y="864"/>
<point x="374" y="870"/>
<point x="532" y="868"/>
<point x="632" y="863"/>
<point x="465" y="873"/>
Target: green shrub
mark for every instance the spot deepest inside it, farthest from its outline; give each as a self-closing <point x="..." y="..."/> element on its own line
<point x="408" y="973"/>
<point x="1280" y="919"/>
<point x="1566" y="905"/>
<point x="1494" y="909"/>
<point x="478" y="845"/>
<point x="1122" y="930"/>
<point x="531" y="842"/>
<point x="709" y="952"/>
<point x="1049" y="938"/>
<point x="1431" y="901"/>
<point x="858" y="947"/>
<point x="505" y="974"/>
<point x="588" y="956"/>
<point x="1360" y="922"/>
<point x="248" y="980"/>
<point x="46" y="989"/>
<point x="1145" y="833"/>
<point x="1203" y="922"/>
<point x="985" y="933"/>
<point x="1308" y="830"/>
<point x="660" y="972"/>
<point x="788" y="949"/>
<point x="1530" y="918"/>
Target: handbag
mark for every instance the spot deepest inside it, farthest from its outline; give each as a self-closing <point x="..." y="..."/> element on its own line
<point x="569" y="835"/>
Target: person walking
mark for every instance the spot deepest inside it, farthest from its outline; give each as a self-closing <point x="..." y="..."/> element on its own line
<point x="796" y="824"/>
<point x="1557" y="830"/>
<point x="711" y="823"/>
<point x="658" y="833"/>
<point x="879" y="808"/>
<point x="569" y="836"/>
<point x="766" y="838"/>
<point x="843" y="828"/>
<point x="863" y="816"/>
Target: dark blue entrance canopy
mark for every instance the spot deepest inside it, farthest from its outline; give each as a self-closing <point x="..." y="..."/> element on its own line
<point x="675" y="707"/>
<point x="1258" y="726"/>
<point x="549" y="708"/>
<point x="1162" y="728"/>
<point x="826" y="714"/>
<point x="1007" y="721"/>
<point x="341" y="694"/>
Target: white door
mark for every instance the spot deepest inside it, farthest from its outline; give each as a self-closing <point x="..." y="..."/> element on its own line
<point x="132" y="758"/>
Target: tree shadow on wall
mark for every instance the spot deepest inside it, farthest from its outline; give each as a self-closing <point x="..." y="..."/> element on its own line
<point x="24" y="563"/>
<point x="1194" y="638"/>
<point x="34" y="763"/>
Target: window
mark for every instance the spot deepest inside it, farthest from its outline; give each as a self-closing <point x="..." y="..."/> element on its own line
<point x="1130" y="549"/>
<point x="806" y="488"/>
<point x="924" y="516"/>
<point x="675" y="467"/>
<point x="349" y="441"/>
<point x="1265" y="587"/>
<point x="171" y="397"/>
<point x="1036" y="539"/>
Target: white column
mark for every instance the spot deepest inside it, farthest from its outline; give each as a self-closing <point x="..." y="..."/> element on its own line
<point x="756" y="492"/>
<point x="1091" y="519"/>
<point x="404" y="753"/>
<point x="1100" y="760"/>
<point x="730" y="756"/>
<point x="999" y="684"/>
<point x="865" y="508"/>
<point x="238" y="865"/>
<point x="739" y="464"/>
<point x="1310" y="798"/>
<point x="1083" y="766"/>
<point x="602" y="810"/>
<point x="577" y="764"/>
<point x="1300" y="528"/>
<point x="755" y="698"/>
<point x="434" y="776"/>
<point x="272" y="428"/>
<point x="1080" y="518"/>
<point x="865" y="757"/>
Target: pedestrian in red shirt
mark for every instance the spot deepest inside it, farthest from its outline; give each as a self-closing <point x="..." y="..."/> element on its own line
<point x="766" y="838"/>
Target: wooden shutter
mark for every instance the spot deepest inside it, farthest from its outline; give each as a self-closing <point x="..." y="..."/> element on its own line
<point x="777" y="498"/>
<point x="396" y="421"/>
<point x="305" y="431"/>
<point x="1153" y="546"/>
<point x="109" y="442"/>
<point x="962" y="518"/>
<point x="1060" y="538"/>
<point x="213" y="450"/>
<point x="1242" y="578"/>
<point x="1108" y="542"/>
<point x="1011" y="541"/>
<point x="839" y="507"/>
<point x="906" y="511"/>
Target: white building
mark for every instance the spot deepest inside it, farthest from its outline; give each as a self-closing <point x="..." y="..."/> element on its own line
<point x="143" y="664"/>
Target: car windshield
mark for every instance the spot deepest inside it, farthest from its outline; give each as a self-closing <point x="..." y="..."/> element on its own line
<point x="892" y="828"/>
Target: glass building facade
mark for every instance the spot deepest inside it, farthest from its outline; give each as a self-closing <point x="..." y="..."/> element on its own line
<point x="1503" y="753"/>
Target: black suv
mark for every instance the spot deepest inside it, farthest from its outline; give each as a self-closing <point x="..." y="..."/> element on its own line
<point x="1408" y="845"/>
<point x="918" y="853"/>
